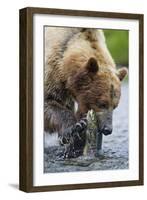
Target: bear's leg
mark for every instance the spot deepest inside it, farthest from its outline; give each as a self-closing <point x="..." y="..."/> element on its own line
<point x="72" y="133"/>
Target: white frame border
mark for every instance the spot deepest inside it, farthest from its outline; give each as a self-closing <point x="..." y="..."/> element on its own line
<point x="41" y="179"/>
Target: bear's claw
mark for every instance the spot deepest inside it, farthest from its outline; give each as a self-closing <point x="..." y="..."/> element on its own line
<point x="81" y="125"/>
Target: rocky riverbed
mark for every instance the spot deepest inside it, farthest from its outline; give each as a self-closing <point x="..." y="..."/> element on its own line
<point x="115" y="147"/>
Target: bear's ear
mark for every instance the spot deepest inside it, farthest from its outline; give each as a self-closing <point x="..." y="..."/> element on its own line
<point x="122" y="73"/>
<point x="92" y="65"/>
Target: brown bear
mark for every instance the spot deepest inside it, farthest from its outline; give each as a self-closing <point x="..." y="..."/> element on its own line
<point x="78" y="68"/>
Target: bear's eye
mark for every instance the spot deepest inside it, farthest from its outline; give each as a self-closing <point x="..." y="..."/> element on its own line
<point x="103" y="105"/>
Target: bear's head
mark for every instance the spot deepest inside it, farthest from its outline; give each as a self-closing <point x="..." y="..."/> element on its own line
<point x="97" y="89"/>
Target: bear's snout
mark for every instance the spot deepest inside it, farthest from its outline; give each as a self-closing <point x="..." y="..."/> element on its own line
<point x="105" y="122"/>
<point x="107" y="130"/>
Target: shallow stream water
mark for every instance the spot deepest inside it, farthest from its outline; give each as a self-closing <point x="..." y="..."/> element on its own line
<point x="114" y="149"/>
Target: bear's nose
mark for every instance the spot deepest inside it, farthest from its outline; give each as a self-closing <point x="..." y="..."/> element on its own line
<point x="107" y="130"/>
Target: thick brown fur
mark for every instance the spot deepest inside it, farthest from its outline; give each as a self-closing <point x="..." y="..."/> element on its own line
<point x="78" y="67"/>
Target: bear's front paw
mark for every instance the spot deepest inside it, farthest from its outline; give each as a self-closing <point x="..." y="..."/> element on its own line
<point x="81" y="125"/>
<point x="74" y="131"/>
<point x="73" y="139"/>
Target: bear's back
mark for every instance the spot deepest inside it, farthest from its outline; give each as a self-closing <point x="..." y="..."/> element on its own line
<point x="56" y="38"/>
